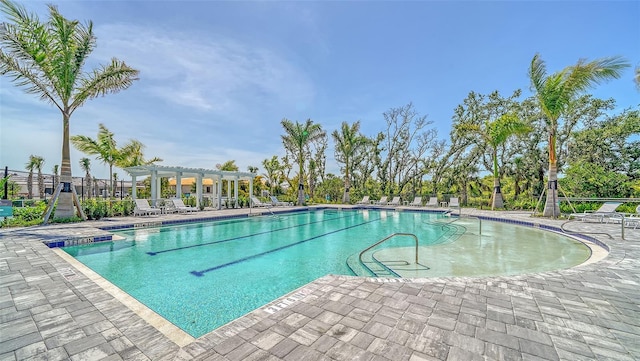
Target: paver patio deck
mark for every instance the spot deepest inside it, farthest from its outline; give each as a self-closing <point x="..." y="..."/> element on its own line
<point x="52" y="310"/>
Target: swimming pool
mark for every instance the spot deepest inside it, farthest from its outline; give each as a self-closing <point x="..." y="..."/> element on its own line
<point x="201" y="276"/>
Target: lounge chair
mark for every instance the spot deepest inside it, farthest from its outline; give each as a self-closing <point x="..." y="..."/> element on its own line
<point x="181" y="207"/>
<point x="417" y="202"/>
<point x="394" y="202"/>
<point x="432" y="202"/>
<point x="364" y="200"/>
<point x="454" y="202"/>
<point x="143" y="208"/>
<point x="630" y="220"/>
<point x="382" y="201"/>
<point x="277" y="203"/>
<point x="607" y="209"/>
<point x="258" y="203"/>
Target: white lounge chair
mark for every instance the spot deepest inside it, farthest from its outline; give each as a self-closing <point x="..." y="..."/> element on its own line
<point x="417" y="202"/>
<point x="258" y="203"/>
<point x="181" y="207"/>
<point x="630" y="220"/>
<point x="277" y="203"/>
<point x="364" y="200"/>
<point x="394" y="202"/>
<point x="382" y="202"/>
<point x="432" y="202"/>
<point x="143" y="208"/>
<point x="607" y="209"/>
<point x="454" y="202"/>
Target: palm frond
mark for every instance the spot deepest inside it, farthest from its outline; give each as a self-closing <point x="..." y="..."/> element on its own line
<point x="537" y="73"/>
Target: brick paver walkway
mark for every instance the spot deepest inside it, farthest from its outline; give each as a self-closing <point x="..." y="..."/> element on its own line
<point x="51" y="310"/>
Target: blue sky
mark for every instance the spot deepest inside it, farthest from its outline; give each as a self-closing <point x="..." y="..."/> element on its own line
<point x="216" y="78"/>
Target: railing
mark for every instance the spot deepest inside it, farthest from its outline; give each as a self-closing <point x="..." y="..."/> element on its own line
<point x="382" y="241"/>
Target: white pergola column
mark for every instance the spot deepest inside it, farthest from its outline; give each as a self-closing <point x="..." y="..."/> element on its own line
<point x="219" y="191"/>
<point x="235" y="192"/>
<point x="178" y="184"/>
<point x="134" y="187"/>
<point x="154" y="189"/>
<point x="229" y="189"/>
<point x="158" y="188"/>
<point x="198" y="190"/>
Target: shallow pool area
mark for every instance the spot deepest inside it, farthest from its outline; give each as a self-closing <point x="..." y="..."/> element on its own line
<point x="201" y="276"/>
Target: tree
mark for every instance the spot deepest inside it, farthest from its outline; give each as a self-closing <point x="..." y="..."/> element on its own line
<point x="56" y="177"/>
<point x="229" y="166"/>
<point x="105" y="148"/>
<point x="608" y="143"/>
<point x="30" y="166"/>
<point x="35" y="163"/>
<point x="348" y="143"/>
<point x="490" y="135"/>
<point x="39" y="165"/>
<point x="47" y="59"/>
<point x="131" y="155"/>
<point x="273" y="173"/>
<point x="296" y="141"/>
<point x="406" y="142"/>
<point x="85" y="164"/>
<point x="554" y="93"/>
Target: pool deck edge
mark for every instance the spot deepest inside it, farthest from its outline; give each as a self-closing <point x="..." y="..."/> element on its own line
<point x="588" y="312"/>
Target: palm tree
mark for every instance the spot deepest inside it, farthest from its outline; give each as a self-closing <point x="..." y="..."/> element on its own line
<point x="349" y="143"/>
<point x="56" y="177"/>
<point x="296" y="141"/>
<point x="85" y="164"/>
<point x="492" y="135"/>
<point x="30" y="166"/>
<point x="105" y="148"/>
<point x="273" y="173"/>
<point x="39" y="162"/>
<point x="47" y="58"/>
<point x="554" y="94"/>
<point x="132" y="155"/>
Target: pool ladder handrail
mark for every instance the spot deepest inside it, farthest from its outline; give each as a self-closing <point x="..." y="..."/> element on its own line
<point x="384" y="240"/>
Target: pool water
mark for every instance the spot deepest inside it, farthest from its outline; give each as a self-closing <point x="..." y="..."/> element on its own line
<point x="202" y="276"/>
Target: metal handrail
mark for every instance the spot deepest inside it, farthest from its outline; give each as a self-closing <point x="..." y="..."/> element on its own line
<point x="383" y="240"/>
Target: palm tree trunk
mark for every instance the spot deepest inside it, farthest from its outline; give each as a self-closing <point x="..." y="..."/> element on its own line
<point x="64" y="208"/>
<point x="347" y="186"/>
<point x="88" y="183"/>
<point x="496" y="198"/>
<point x="30" y="185"/>
<point x="551" y="206"/>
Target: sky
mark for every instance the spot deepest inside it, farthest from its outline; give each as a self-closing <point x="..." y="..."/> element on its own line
<point x="217" y="77"/>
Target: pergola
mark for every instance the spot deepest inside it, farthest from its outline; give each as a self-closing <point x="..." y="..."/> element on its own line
<point x="157" y="172"/>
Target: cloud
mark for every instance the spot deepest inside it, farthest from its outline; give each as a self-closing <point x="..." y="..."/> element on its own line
<point x="204" y="72"/>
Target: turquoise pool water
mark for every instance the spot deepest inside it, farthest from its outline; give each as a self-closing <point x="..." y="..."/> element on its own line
<point x="201" y="276"/>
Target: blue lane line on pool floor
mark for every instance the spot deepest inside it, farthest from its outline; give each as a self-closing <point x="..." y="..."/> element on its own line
<point x="245" y="236"/>
<point x="201" y="273"/>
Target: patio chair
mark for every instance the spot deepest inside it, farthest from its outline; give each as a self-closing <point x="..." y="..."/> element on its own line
<point x="143" y="208"/>
<point x="454" y="202"/>
<point x="364" y="200"/>
<point x="277" y="203"/>
<point x="394" y="202"/>
<point x="181" y="207"/>
<point x="432" y="202"/>
<point x="607" y="209"/>
<point x="258" y="203"/>
<point x="631" y="219"/>
<point x="417" y="202"/>
<point x="382" y="202"/>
